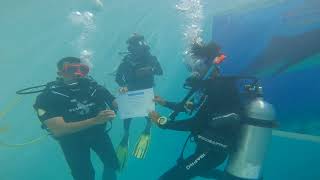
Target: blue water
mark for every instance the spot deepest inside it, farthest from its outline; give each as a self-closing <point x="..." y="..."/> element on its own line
<point x="35" y="34"/>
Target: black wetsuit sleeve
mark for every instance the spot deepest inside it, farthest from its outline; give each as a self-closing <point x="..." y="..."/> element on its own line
<point x="171" y="105"/>
<point x="120" y="75"/>
<point x="46" y="107"/>
<point x="175" y="106"/>
<point x="157" y="70"/>
<point x="105" y="94"/>
<point x="181" y="125"/>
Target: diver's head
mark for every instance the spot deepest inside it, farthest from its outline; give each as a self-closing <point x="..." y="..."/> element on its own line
<point x="203" y="55"/>
<point x="136" y="45"/>
<point x="71" y="68"/>
<point x="204" y="51"/>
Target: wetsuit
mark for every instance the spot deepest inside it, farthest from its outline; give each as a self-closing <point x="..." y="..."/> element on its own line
<point x="77" y="102"/>
<point x="214" y="129"/>
<point x="128" y="75"/>
<point x="128" y="72"/>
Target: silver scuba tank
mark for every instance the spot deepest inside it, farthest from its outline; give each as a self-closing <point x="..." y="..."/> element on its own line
<point x="246" y="162"/>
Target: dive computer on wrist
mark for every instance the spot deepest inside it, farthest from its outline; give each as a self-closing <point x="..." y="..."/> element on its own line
<point x="162" y="120"/>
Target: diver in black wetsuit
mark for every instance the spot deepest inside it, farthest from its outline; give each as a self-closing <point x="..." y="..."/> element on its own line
<point x="136" y="72"/>
<point x="216" y="122"/>
<point x="214" y="128"/>
<point x="75" y="110"/>
<point x="231" y="120"/>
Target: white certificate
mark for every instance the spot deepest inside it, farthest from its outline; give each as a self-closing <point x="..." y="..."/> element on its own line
<point x="136" y="103"/>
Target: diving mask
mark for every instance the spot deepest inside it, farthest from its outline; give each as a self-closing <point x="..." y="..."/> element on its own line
<point x="80" y="70"/>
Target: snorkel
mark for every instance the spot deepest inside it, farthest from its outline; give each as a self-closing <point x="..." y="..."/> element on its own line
<point x="201" y="51"/>
<point x="214" y="70"/>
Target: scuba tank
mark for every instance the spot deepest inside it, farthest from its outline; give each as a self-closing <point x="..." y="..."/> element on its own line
<point x="246" y="162"/>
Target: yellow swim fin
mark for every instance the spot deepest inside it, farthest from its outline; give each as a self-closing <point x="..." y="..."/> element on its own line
<point x="122" y="155"/>
<point x="142" y="146"/>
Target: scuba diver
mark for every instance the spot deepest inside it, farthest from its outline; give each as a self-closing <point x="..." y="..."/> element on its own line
<point x="213" y="131"/>
<point x="219" y="114"/>
<point x="136" y="72"/>
<point x="75" y="110"/>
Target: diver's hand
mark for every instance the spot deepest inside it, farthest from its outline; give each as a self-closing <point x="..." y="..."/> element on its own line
<point x="104" y="116"/>
<point x="123" y="90"/>
<point x="159" y="100"/>
<point x="154" y="116"/>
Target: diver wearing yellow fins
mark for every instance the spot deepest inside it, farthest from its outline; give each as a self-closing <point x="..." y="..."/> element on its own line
<point x="136" y="72"/>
